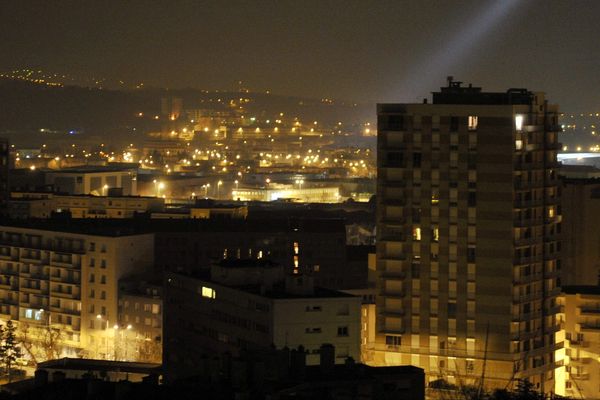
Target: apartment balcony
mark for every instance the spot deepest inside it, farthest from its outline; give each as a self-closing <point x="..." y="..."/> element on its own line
<point x="65" y="295"/>
<point x="528" y="203"/>
<point x="580" y="360"/>
<point x="394" y="201"/>
<point x="527" y="297"/>
<point x="526" y="222"/>
<point x="395" y="222"/>
<point x="393" y="183"/>
<point x="393" y="275"/>
<point x="522" y="242"/>
<point x="9" y="272"/>
<point x="528" y="278"/>
<point x="9" y="301"/>
<point x="392" y="313"/>
<point x="527" y="166"/>
<point x="590" y="327"/>
<point x="579" y="376"/>
<point x="63" y="310"/>
<point x="393" y="294"/>
<point x="393" y="257"/>
<point x="527" y="316"/>
<point x="31" y="289"/>
<point x="590" y="311"/>
<point x="65" y="279"/>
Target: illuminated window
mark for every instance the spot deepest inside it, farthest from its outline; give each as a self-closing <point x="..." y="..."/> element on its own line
<point x="518" y="144"/>
<point x="416" y="233"/>
<point x="519" y="122"/>
<point x="29" y="313"/>
<point x="551" y="212"/>
<point x="208" y="292"/>
<point x="260" y="254"/>
<point x="472" y="122"/>
<point x="296" y="247"/>
<point x="436" y="234"/>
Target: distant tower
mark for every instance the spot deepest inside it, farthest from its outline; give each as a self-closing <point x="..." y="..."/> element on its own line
<point x="467" y="225"/>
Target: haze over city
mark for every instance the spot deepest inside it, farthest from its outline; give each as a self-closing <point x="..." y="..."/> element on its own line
<point x="300" y="200"/>
<point x="364" y="51"/>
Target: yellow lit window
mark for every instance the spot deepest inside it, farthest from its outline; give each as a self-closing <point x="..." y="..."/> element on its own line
<point x="208" y="292"/>
<point x="473" y="122"/>
<point x="417" y="233"/>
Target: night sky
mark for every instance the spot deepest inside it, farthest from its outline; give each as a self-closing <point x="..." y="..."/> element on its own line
<point x="366" y="51"/>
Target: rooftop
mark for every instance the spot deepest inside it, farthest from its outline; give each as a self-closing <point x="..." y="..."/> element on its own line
<point x="581" y="289"/>
<point x="455" y="93"/>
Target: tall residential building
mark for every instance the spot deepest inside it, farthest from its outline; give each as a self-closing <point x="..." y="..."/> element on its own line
<point x="467" y="226"/>
<point x="4" y="168"/>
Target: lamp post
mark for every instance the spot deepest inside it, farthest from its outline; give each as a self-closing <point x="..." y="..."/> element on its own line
<point x="104" y="189"/>
<point x="218" y="186"/>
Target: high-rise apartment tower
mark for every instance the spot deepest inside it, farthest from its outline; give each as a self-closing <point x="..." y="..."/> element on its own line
<point x="467" y="225"/>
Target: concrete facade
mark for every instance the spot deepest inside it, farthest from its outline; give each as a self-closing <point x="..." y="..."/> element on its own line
<point x="68" y="281"/>
<point x="249" y="308"/>
<point x="467" y="247"/>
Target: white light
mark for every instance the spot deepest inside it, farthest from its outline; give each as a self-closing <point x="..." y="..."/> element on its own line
<point x="519" y="122"/>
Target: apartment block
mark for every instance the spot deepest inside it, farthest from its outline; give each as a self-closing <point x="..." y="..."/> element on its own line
<point x="58" y="278"/>
<point x="467" y="236"/>
<point x="252" y="305"/>
<point x="580" y="315"/>
<point x="580" y="201"/>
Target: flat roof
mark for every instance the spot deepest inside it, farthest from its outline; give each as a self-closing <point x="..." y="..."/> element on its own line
<point x="85" y="364"/>
<point x="581" y="289"/>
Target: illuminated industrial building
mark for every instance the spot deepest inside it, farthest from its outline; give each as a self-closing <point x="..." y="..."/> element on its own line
<point x="288" y="193"/>
<point x="467" y="244"/>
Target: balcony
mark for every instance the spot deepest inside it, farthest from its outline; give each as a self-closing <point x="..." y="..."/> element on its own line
<point x="590" y="310"/>
<point x="394" y="202"/>
<point x="591" y="327"/>
<point x="527" y="297"/>
<point x="528" y="278"/>
<point x="397" y="294"/>
<point x="393" y="275"/>
<point x="525" y="222"/>
<point x="527" y="316"/>
<point x="393" y="183"/>
<point x="66" y="311"/>
<point x="65" y="279"/>
<point x="64" y="295"/>
<point x="392" y="313"/>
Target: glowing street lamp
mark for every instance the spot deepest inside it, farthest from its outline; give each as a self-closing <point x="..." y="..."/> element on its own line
<point x="218" y="186"/>
<point x="104" y="190"/>
<point x="237" y="184"/>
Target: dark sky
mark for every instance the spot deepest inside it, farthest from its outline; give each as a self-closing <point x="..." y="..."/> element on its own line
<point x="366" y="51"/>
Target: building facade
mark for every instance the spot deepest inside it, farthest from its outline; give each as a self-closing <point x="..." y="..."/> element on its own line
<point x="24" y="205"/>
<point x="467" y="226"/>
<point x="580" y="200"/>
<point x="580" y="315"/>
<point x="251" y="305"/>
<point x="67" y="282"/>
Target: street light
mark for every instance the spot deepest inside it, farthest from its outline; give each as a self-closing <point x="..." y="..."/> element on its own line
<point x="104" y="189"/>
<point x="237" y="184"/>
<point x="218" y="186"/>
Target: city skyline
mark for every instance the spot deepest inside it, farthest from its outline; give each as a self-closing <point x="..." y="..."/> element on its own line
<point x="362" y="51"/>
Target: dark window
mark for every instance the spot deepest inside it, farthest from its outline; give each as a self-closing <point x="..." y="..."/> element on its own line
<point x="415" y="270"/>
<point x="452" y="310"/>
<point x="395" y="123"/>
<point x="453" y="124"/>
<point x="471" y="254"/>
<point x="395" y="159"/>
<point x="417" y="160"/>
<point x="472" y="199"/>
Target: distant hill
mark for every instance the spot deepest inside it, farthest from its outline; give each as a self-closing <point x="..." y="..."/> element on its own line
<point x="28" y="107"/>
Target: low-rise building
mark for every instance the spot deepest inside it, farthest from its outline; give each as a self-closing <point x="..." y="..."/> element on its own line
<point x="42" y="205"/>
<point x="288" y="193"/>
<point x="93" y="180"/>
<point x="250" y="305"/>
